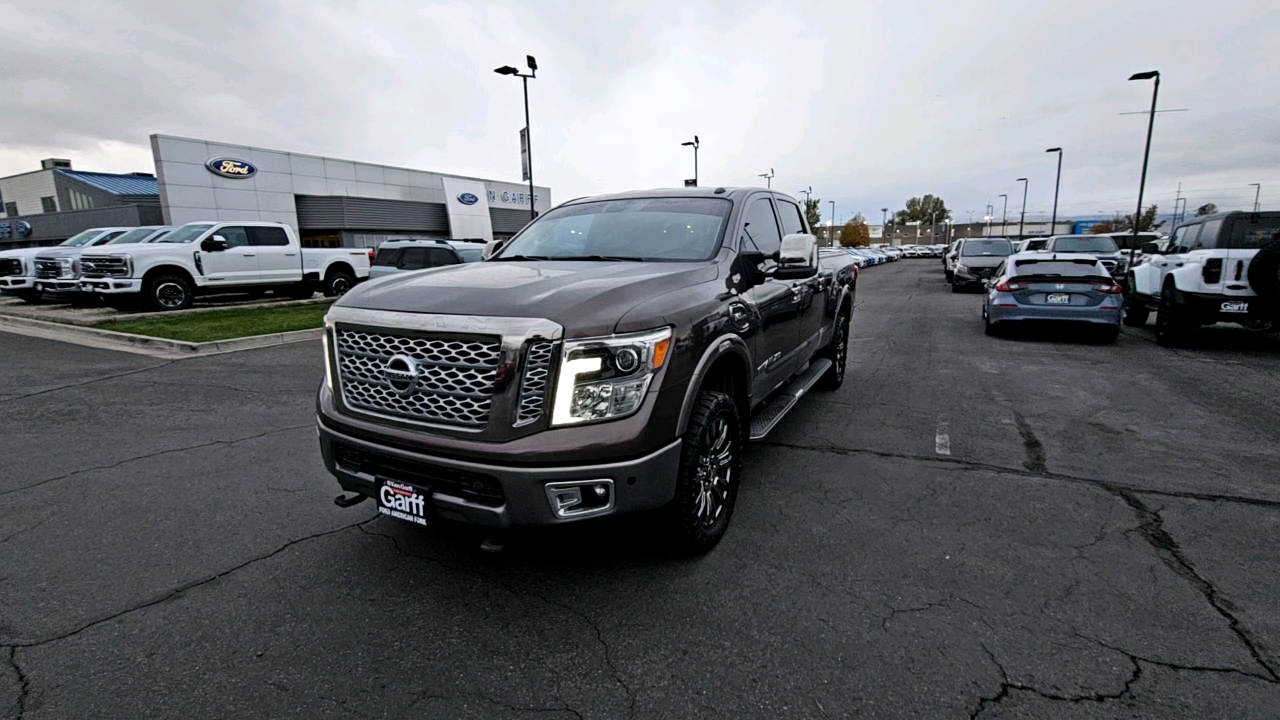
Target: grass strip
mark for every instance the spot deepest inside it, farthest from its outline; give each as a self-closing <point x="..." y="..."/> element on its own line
<point x="224" y="324"/>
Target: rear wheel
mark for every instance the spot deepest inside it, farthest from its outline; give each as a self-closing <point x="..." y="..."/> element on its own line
<point x="707" y="481"/>
<point x="838" y="353"/>
<point x="168" y="292"/>
<point x="1173" y="327"/>
<point x="1109" y="334"/>
<point x="338" y="282"/>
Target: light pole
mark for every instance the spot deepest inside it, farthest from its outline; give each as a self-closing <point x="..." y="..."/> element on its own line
<point x="528" y="139"/>
<point x="693" y="145"/>
<point x="1176" y="217"/>
<point x="1004" y="219"/>
<point x="768" y="177"/>
<point x="807" y="194"/>
<point x="1256" y="194"/>
<point x="1146" y="154"/>
<point x="1053" y="220"/>
<point x="832" y="222"/>
<point x="1022" y="215"/>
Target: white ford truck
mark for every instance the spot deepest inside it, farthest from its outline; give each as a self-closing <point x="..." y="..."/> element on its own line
<point x="1223" y="267"/>
<point x="207" y="257"/>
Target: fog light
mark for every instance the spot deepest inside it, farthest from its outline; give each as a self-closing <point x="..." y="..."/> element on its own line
<point x="580" y="498"/>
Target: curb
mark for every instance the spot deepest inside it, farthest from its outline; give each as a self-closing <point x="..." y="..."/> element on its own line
<point x="146" y="345"/>
<point x="26" y="313"/>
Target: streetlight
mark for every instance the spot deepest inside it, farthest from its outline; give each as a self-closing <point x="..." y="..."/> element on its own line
<point x="1256" y="194"/>
<point x="807" y="194"/>
<point x="1053" y="221"/>
<point x="693" y="145"/>
<point x="525" y="134"/>
<point x="831" y="237"/>
<point x="1022" y="216"/>
<point x="1146" y="154"/>
<point x="1004" y="219"/>
<point x="1176" y="217"/>
<point x="768" y="177"/>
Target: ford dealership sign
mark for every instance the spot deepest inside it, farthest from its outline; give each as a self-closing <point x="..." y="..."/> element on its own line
<point x="467" y="198"/>
<point x="231" y="168"/>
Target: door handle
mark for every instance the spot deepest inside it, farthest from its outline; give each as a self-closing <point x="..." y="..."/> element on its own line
<point x="250" y="254"/>
<point x="290" y="254"/>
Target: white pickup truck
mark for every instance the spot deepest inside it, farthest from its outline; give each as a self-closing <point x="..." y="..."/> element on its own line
<point x="208" y="257"/>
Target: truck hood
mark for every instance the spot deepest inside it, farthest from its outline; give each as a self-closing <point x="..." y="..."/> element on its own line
<point x="586" y="298"/>
<point x="60" y="252"/>
<point x="136" y="249"/>
<point x="27" y="253"/>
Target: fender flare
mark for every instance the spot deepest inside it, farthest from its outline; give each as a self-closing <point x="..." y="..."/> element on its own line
<point x="727" y="344"/>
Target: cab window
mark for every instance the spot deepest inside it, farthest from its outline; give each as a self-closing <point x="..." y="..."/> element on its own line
<point x="760" y="229"/>
<point x="234" y="235"/>
<point x="792" y="220"/>
<point x="1208" y="238"/>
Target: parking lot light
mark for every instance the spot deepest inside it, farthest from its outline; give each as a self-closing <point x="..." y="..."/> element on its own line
<point x="1053" y="221"/>
<point x="1022" y="216"/>
<point x="528" y="131"/>
<point x="1146" y="154"/>
<point x="1257" y="193"/>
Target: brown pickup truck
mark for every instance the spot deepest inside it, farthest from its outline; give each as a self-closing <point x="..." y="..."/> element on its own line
<point x="614" y="356"/>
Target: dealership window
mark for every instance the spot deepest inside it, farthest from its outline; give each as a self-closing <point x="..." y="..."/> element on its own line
<point x="49" y="204"/>
<point x="11" y="209"/>
<point x="79" y="201"/>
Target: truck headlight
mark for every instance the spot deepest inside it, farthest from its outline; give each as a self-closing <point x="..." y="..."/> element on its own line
<point x="606" y="378"/>
<point x="961" y="269"/>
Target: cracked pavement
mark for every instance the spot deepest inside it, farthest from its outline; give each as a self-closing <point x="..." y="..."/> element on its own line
<point x="1098" y="544"/>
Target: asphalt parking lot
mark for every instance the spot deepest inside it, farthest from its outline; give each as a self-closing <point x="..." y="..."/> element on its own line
<point x="970" y="527"/>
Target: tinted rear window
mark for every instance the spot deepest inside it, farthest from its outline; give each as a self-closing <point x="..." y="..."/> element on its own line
<point x="1094" y="244"/>
<point x="1249" y="235"/>
<point x="387" y="257"/>
<point x="1057" y="268"/>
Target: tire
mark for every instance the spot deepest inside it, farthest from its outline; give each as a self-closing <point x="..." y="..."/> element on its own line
<point x="992" y="329"/>
<point x="168" y="292"/>
<point x="1135" y="312"/>
<point x="707" y="480"/>
<point x="34" y="297"/>
<point x="837" y="351"/>
<point x="1264" y="270"/>
<point x="955" y="287"/>
<point x="1109" y="334"/>
<point x="949" y="275"/>
<point x="337" y="283"/>
<point x="1173" y="327"/>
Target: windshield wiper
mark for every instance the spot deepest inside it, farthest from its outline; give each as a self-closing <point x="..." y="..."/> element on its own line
<point x="606" y="258"/>
<point x="521" y="257"/>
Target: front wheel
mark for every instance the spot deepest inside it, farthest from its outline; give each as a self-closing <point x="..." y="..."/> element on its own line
<point x="707" y="481"/>
<point x="1173" y="327"/>
<point x="168" y="292"/>
<point x="838" y="353"/>
<point x="1135" y="312"/>
<point x="337" y="283"/>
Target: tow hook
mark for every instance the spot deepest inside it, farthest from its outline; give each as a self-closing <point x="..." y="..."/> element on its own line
<point x="345" y="501"/>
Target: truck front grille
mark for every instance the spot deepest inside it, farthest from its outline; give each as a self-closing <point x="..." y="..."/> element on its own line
<point x="10" y="266"/>
<point x="104" y="267"/>
<point x="48" y="269"/>
<point x="533" y="388"/>
<point x="447" y="380"/>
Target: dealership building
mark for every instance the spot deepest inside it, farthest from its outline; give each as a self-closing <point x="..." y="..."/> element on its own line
<point x="328" y="201"/>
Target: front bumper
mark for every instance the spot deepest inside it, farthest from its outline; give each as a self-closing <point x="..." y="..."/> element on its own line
<point x="111" y="286"/>
<point x="17" y="282"/>
<point x="643" y="483"/>
<point x="971" y="278"/>
<point x="58" y="286"/>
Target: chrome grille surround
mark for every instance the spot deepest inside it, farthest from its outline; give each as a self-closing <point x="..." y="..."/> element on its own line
<point x="104" y="267"/>
<point x="454" y="376"/>
<point x="48" y="269"/>
<point x="533" y="386"/>
<point x="445" y="392"/>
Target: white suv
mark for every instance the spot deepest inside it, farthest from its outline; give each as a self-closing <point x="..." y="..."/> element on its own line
<point x="1223" y="267"/>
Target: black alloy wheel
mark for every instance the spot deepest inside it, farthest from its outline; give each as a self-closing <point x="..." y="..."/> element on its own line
<point x="1135" y="312"/>
<point x="337" y="283"/>
<point x="707" y="481"/>
<point x="1173" y="327"/>
<point x="838" y="353"/>
<point x="169" y="292"/>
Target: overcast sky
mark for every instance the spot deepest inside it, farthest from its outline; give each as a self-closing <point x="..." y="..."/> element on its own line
<point x="867" y="103"/>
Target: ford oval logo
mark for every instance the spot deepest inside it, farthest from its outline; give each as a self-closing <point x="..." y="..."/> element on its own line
<point x="230" y="167"/>
<point x="468" y="199"/>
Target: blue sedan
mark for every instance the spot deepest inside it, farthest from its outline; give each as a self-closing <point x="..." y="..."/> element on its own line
<point x="1045" y="287"/>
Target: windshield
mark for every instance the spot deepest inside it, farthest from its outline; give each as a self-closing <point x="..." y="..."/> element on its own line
<point x="185" y="234"/>
<point x="136" y="235"/>
<point x="1085" y="244"/>
<point x="639" y="229"/>
<point x="997" y="247"/>
<point x="81" y="238"/>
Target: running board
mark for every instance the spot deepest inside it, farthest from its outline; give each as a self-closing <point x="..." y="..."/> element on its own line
<point x="776" y="407"/>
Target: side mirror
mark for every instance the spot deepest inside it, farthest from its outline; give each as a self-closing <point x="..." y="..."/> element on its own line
<point x="491" y="248"/>
<point x="1150" y="248"/>
<point x="216" y="243"/>
<point x="798" y="257"/>
<point x="750" y="262"/>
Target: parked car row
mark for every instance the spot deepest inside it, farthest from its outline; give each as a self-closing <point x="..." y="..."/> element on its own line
<point x="165" y="268"/>
<point x="868" y="256"/>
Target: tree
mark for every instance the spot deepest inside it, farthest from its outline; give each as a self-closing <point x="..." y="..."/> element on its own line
<point x="813" y="212"/>
<point x="1146" y="222"/>
<point x="1105" y="227"/>
<point x="923" y="209"/>
<point x="855" y="233"/>
<point x="1206" y="209"/>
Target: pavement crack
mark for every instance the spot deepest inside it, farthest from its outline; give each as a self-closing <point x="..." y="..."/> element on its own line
<point x="157" y="453"/>
<point x="24" y="683"/>
<point x="1007" y="686"/>
<point x="27" y="529"/>
<point x="179" y="591"/>
<point x="1031" y="444"/>
<point x="86" y="382"/>
<point x="1151" y="528"/>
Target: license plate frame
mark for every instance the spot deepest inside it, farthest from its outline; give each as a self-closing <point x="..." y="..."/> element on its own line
<point x="403" y="501"/>
<point x="1235" y="307"/>
<point x="1057" y="299"/>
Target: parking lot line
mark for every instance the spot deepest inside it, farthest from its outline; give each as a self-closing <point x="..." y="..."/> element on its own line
<point x="942" y="439"/>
